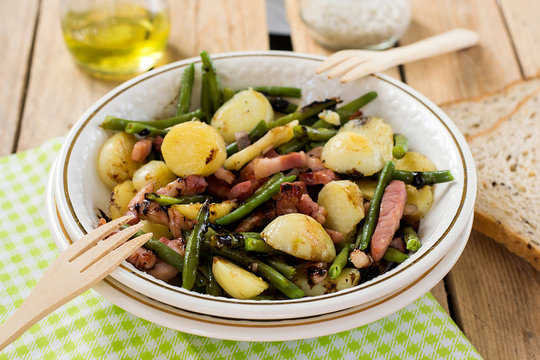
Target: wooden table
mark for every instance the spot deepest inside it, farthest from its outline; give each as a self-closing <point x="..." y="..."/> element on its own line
<point x="491" y="294"/>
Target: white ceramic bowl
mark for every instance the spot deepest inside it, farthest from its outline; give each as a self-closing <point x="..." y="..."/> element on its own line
<point x="80" y="193"/>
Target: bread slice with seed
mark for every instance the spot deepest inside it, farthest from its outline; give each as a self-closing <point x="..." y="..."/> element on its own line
<point x="503" y="131"/>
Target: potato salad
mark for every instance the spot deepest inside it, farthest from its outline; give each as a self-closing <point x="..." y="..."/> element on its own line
<point x="252" y="196"/>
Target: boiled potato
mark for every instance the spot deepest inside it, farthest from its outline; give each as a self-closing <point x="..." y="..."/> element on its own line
<point x="422" y="198"/>
<point x="413" y="161"/>
<point x="361" y="146"/>
<point x="273" y="138"/>
<point x="343" y="202"/>
<point x="301" y="236"/>
<point x="155" y="172"/>
<point x="349" y="277"/>
<point x="241" y="113"/>
<point x="114" y="160"/>
<point x="120" y="197"/>
<point x="367" y="188"/>
<point x="217" y="210"/>
<point x="237" y="282"/>
<point x="193" y="148"/>
<point x="158" y="230"/>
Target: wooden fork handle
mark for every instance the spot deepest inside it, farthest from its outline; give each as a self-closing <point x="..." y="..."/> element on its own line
<point x="449" y="41"/>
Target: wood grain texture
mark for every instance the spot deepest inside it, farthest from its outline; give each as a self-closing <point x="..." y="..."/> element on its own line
<point x="497" y="300"/>
<point x="302" y="40"/>
<point x="466" y="73"/>
<point x="522" y="20"/>
<point x="59" y="92"/>
<point x="17" y="26"/>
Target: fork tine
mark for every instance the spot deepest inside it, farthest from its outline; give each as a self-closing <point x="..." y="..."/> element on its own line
<point x="109" y="262"/>
<point x="92" y="255"/>
<point x="90" y="239"/>
<point x="334" y="59"/>
<point x="362" y="70"/>
<point x="346" y="66"/>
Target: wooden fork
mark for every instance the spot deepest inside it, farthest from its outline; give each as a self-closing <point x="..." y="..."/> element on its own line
<point x="76" y="270"/>
<point x="354" y="64"/>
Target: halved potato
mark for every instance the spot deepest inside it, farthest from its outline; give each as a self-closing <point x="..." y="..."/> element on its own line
<point x="237" y="282"/>
<point x="422" y="198"/>
<point x="158" y="230"/>
<point x="361" y="146"/>
<point x="154" y="171"/>
<point x="349" y="277"/>
<point x="367" y="188"/>
<point x="217" y="210"/>
<point x="193" y="148"/>
<point x="413" y="161"/>
<point x="114" y="160"/>
<point x="343" y="202"/>
<point x="301" y="236"/>
<point x="242" y="113"/>
<point x="120" y="197"/>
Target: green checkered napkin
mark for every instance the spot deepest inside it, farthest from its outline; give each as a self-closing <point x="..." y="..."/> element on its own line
<point x="91" y="327"/>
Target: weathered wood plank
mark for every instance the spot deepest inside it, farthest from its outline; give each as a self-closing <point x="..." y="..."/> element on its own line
<point x="495" y="296"/>
<point x="470" y="72"/>
<point x="522" y="19"/>
<point x="59" y="92"/>
<point x="17" y="26"/>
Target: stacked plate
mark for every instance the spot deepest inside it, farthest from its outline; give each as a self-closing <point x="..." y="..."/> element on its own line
<point x="75" y="194"/>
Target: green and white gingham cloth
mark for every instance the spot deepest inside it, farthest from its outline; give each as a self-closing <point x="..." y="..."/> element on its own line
<point x="91" y="327"/>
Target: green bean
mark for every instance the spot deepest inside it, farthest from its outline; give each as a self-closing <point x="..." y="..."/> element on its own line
<point x="114" y="123"/>
<point x="282" y="106"/>
<point x="394" y="255"/>
<point x="304" y="112"/>
<point x="144" y="130"/>
<point x="292" y="146"/>
<point x="401" y="146"/>
<point x="315" y="144"/>
<point x="255" y="235"/>
<point x="262" y="195"/>
<point x="193" y="246"/>
<point x="213" y="287"/>
<point x="258" y="245"/>
<point x="166" y="254"/>
<point x="226" y="240"/>
<point x="313" y="134"/>
<point x="206" y="101"/>
<point x="214" y="86"/>
<point x="421" y="178"/>
<point x="340" y="261"/>
<point x="284" y="91"/>
<point x="186" y="87"/>
<point x="255" y="134"/>
<point x="364" y="237"/>
<point x="411" y="238"/>
<point x="267" y="272"/>
<point x="270" y="182"/>
<point x="169" y="200"/>
<point x="350" y="108"/>
<point x="228" y="93"/>
<point x="287" y="270"/>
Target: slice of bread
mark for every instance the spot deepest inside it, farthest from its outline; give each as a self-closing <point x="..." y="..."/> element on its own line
<point x="503" y="131"/>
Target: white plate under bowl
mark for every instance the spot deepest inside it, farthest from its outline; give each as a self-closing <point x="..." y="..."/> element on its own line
<point x="257" y="330"/>
<point x="152" y="95"/>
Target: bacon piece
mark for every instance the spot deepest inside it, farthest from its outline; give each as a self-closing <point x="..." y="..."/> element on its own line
<point x="320" y="177"/>
<point x="398" y="244"/>
<point x="142" y="259"/>
<point x="162" y="270"/>
<point x="271" y="154"/>
<point x="141" y="150"/>
<point x="156" y="143"/>
<point x="316" y="273"/>
<point x="392" y="205"/>
<point x="360" y="259"/>
<point x="101" y="222"/>
<point x="136" y="202"/>
<point x="177" y="245"/>
<point x="191" y="185"/>
<point x="256" y="219"/>
<point x="178" y="222"/>
<point x="314" y="161"/>
<point x="154" y="212"/>
<point x="241" y="191"/>
<point x="336" y="236"/>
<point x="242" y="139"/>
<point x="225" y="175"/>
<point x="287" y="198"/>
<point x="309" y="207"/>
<point x="218" y="187"/>
<point x="315" y="152"/>
<point x="264" y="167"/>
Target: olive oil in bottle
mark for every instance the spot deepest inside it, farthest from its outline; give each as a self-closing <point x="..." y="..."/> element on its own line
<point x="116" y="41"/>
